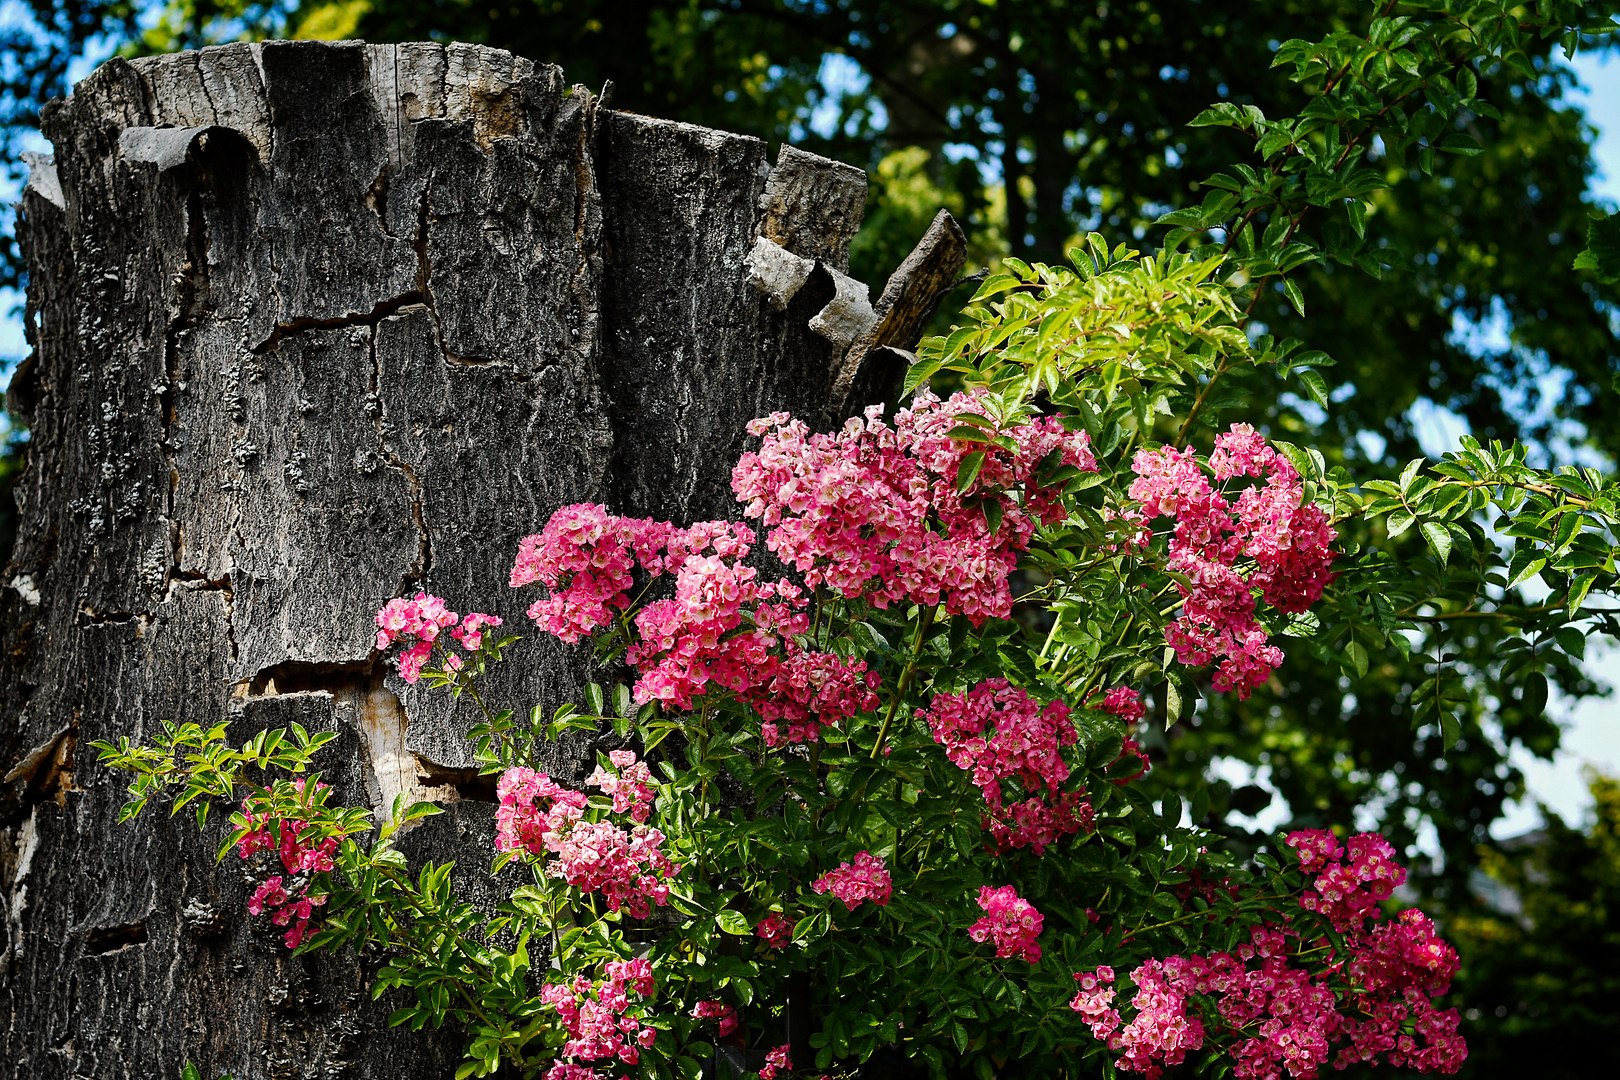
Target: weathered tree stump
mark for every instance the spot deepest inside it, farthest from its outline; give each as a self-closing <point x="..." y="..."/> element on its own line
<point x="314" y="326"/>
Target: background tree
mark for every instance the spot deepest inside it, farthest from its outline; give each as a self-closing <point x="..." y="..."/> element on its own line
<point x="1544" y="950"/>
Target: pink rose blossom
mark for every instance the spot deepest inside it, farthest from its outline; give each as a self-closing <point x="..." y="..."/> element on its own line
<point x="999" y="733"/>
<point x="1367" y="999"/>
<point x="1010" y="922"/>
<point x="775" y="930"/>
<point x="776" y="1060"/>
<point x="862" y="878"/>
<point x="1269" y="540"/>
<point x="719" y="1010"/>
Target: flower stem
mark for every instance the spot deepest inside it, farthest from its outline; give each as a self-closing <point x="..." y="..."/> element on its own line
<point x="924" y="622"/>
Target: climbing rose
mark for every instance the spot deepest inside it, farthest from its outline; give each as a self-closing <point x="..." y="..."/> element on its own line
<point x="999" y="733"/>
<point x="598" y="1019"/>
<point x="1126" y="704"/>
<point x="723" y="628"/>
<point x="775" y="930"/>
<point x="1369" y="999"/>
<point x="418" y="623"/>
<point x="863" y="878"/>
<point x="1268" y="540"/>
<point x="886" y="513"/>
<point x="630" y="786"/>
<point x="725" y="1014"/>
<point x="1010" y="921"/>
<point x="775" y="1060"/>
<point x="471" y="631"/>
<point x="627" y="867"/>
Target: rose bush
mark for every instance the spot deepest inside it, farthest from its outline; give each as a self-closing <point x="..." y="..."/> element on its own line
<point x="871" y="776"/>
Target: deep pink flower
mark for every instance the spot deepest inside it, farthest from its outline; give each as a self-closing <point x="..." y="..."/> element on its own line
<point x="1366" y="996"/>
<point x="862" y="878"/>
<point x="875" y="511"/>
<point x="999" y="733"/>
<point x="776" y="1060"/>
<point x="775" y="930"/>
<point x="719" y="1010"/>
<point x="1269" y="540"/>
<point x="417" y="624"/>
<point x="627" y="867"/>
<point x="1010" y="922"/>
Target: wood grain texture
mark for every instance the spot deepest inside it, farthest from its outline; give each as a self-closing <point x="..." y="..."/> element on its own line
<point x="316" y="325"/>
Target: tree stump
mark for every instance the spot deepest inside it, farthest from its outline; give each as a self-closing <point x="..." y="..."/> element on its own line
<point x="314" y="326"/>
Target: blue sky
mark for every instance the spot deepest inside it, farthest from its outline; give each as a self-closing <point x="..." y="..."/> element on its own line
<point x="1592" y="738"/>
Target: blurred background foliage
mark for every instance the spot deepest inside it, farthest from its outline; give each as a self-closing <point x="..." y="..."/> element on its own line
<point x="1034" y="122"/>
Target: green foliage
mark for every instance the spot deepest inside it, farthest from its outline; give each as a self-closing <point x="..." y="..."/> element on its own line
<point x="1546" y="947"/>
<point x="1602" y="254"/>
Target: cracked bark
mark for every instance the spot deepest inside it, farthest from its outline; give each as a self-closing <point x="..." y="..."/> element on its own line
<point x="313" y="325"/>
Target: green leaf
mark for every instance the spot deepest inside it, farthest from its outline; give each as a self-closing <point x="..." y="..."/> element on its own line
<point x="1314" y="385"/>
<point x="733" y="922"/>
<point x="1578" y="590"/>
<point x="1295" y="296"/>
<point x="1358" y="216"/>
<point x="970" y="433"/>
<point x="968" y="470"/>
<point x="1450" y="731"/>
<point x="1357" y="655"/>
<point x="1602" y="254"/>
<point x="1200" y="804"/>
<point x="993" y="512"/>
<point x="1439" y="539"/>
<point x="1534" y="697"/>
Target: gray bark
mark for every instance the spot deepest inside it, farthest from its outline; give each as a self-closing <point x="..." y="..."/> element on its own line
<point x="314" y="326"/>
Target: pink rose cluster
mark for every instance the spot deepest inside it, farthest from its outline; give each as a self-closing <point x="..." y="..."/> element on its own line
<point x="776" y="1060"/>
<point x="602" y="1023"/>
<point x="1369" y="998"/>
<point x="1348" y="882"/>
<point x="626" y="866"/>
<point x="1267" y="540"/>
<point x="1010" y="922"/>
<point x="775" y="930"/>
<point x="883" y="513"/>
<point x="291" y="912"/>
<point x="420" y="622"/>
<point x="1160" y="1034"/>
<point x="723" y="626"/>
<point x="864" y="877"/>
<point x="630" y="785"/>
<point x="720" y="1011"/>
<point x="1126" y="704"/>
<point x="997" y="732"/>
<point x="292" y="909"/>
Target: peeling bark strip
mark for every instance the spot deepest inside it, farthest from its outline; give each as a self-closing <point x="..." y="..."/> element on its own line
<point x="315" y="325"/>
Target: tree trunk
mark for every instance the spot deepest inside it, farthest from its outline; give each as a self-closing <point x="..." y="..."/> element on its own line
<point x="314" y="326"/>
